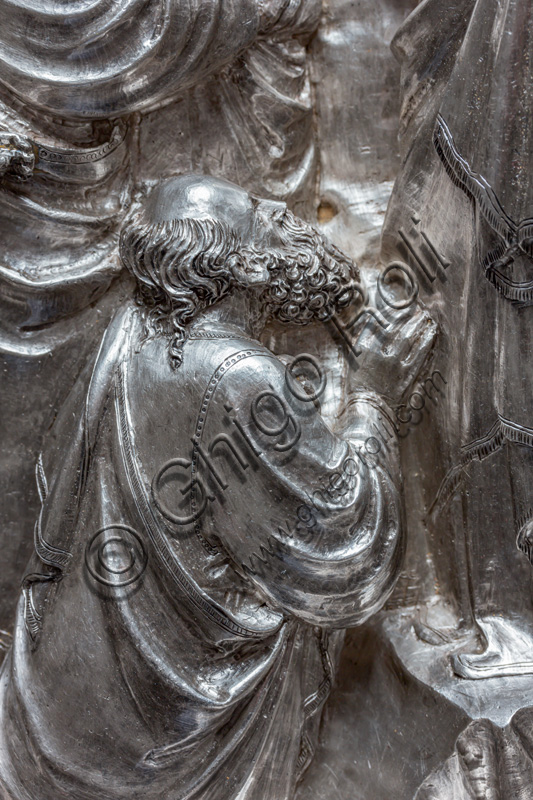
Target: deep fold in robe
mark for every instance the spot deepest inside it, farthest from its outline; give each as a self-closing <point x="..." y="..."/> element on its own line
<point x="205" y="677"/>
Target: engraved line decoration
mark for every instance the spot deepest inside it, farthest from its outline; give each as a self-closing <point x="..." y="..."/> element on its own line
<point x="53" y="556"/>
<point x="57" y="155"/>
<point x="516" y="238"/>
<point x="503" y="430"/>
<point x="199" y="428"/>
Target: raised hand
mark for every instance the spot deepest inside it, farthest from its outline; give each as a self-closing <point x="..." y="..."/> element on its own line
<point x="389" y="347"/>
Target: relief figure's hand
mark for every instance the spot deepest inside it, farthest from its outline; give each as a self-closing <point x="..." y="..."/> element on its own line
<point x="389" y="346"/>
<point x="17" y="159"/>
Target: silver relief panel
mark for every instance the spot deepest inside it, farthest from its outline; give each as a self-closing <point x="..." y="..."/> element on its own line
<point x="266" y="284"/>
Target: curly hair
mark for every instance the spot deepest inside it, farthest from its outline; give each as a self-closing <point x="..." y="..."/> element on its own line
<point x="310" y="279"/>
<point x="182" y="267"/>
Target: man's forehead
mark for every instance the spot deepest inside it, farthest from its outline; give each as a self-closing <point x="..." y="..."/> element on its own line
<point x="199" y="197"/>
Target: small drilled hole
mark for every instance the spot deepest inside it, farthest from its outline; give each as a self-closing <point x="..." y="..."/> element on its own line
<point x="326" y="211"/>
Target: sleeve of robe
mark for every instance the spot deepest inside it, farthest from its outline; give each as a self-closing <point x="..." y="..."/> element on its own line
<point x="106" y="58"/>
<point x="317" y="525"/>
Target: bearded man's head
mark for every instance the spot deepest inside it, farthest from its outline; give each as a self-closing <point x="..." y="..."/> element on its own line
<point x="197" y="239"/>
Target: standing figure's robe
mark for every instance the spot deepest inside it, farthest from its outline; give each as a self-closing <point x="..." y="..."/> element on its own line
<point x="465" y="187"/>
<point x="204" y="676"/>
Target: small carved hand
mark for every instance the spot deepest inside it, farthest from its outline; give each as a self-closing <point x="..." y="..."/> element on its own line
<point x="391" y="357"/>
<point x="17" y="159"/>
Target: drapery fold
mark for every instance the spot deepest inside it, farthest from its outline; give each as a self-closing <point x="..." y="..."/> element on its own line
<point x="103" y="59"/>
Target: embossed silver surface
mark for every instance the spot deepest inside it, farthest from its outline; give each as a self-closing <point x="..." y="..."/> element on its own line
<point x="201" y="493"/>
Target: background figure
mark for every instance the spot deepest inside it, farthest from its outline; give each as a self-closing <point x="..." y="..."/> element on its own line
<point x="464" y="196"/>
<point x="459" y="218"/>
<point x="460" y="215"/>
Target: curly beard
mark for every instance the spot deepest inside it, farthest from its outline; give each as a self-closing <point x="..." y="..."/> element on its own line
<point x="310" y="278"/>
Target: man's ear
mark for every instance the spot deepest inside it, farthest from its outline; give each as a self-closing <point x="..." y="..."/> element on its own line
<point x="248" y="268"/>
